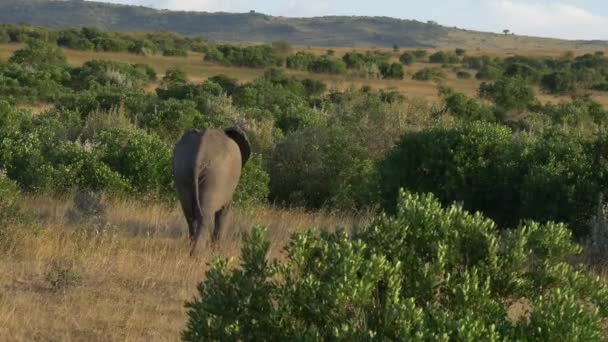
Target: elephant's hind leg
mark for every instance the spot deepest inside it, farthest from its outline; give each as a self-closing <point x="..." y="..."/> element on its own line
<point x="222" y="220"/>
<point x="203" y="222"/>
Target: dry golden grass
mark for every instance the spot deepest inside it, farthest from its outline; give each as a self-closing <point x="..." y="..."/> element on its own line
<point x="135" y="276"/>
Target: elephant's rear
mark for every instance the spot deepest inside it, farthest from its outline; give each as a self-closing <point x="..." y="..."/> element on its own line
<point x="184" y="161"/>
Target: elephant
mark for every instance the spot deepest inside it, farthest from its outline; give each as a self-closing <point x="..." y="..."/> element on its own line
<point x="207" y="166"/>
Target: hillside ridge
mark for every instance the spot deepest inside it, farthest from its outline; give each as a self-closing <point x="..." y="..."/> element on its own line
<point x="254" y="27"/>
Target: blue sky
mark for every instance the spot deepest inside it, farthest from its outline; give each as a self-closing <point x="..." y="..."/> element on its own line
<point x="570" y="19"/>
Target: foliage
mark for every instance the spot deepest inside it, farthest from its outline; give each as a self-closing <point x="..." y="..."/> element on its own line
<point x="428" y="74"/>
<point x="509" y="93"/>
<point x="259" y="56"/>
<point x="443" y="57"/>
<point x="468" y="109"/>
<point x="98" y="73"/>
<point x="407" y="58"/>
<point x="547" y="176"/>
<point x="463" y="75"/>
<point x="426" y="273"/>
<point x="253" y="186"/>
<point x="144" y="160"/>
<point x="489" y="72"/>
<point x="9" y="201"/>
<point x="392" y="71"/>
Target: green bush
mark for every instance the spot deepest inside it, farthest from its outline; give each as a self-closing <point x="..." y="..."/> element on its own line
<point x="460" y="52"/>
<point x="328" y="65"/>
<point x="142" y="159"/>
<point x="407" y="58"/>
<point x="551" y="176"/>
<point x="5" y="38"/>
<point x="98" y="73"/>
<point x="443" y="57"/>
<point x="318" y="166"/>
<point x="468" y="109"/>
<point x="463" y="75"/>
<point x="489" y="72"/>
<point x="392" y="71"/>
<point x="428" y="74"/>
<point x="258" y="56"/>
<point x="41" y="161"/>
<point x="559" y="82"/>
<point x="171" y="118"/>
<point x="9" y="200"/>
<point x="509" y="93"/>
<point x="426" y="273"/>
<point x="301" y="60"/>
<point x="253" y="187"/>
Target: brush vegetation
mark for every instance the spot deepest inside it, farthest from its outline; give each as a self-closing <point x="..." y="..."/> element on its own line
<point x="500" y="191"/>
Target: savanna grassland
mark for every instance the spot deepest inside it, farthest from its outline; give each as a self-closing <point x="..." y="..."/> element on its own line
<point x="393" y="194"/>
<point x="199" y="70"/>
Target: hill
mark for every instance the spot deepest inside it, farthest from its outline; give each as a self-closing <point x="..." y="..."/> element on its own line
<point x="338" y="31"/>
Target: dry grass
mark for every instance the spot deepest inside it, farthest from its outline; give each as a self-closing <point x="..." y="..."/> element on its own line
<point x="134" y="275"/>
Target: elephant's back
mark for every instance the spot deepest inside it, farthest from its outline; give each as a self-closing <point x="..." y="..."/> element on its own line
<point x="218" y="150"/>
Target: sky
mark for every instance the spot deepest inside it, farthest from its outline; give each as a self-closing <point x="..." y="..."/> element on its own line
<point x="568" y="19"/>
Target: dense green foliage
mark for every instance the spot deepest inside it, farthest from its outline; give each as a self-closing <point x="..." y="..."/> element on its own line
<point x="89" y="38"/>
<point x="550" y="176"/>
<point x="425" y="274"/>
<point x="313" y="148"/>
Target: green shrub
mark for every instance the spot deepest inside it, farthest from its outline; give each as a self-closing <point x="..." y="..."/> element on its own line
<point x="253" y="187"/>
<point x="419" y="54"/>
<point x="489" y="72"/>
<point x="142" y="159"/>
<point x="546" y="177"/>
<point x="559" y="82"/>
<point x="392" y="71"/>
<point x="300" y="60"/>
<point x="5" y="38"/>
<point x="41" y="162"/>
<point x="98" y="73"/>
<point x="426" y="273"/>
<point x="524" y="71"/>
<point x="509" y="93"/>
<point x="468" y="109"/>
<point x="170" y="118"/>
<point x="428" y="74"/>
<point x="463" y="75"/>
<point x="407" y="58"/>
<point x="9" y="200"/>
<point x="442" y="57"/>
<point x="337" y="171"/>
<point x="328" y="64"/>
<point x="258" y="56"/>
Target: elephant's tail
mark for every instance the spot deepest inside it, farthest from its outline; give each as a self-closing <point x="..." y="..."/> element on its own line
<point x="197" y="199"/>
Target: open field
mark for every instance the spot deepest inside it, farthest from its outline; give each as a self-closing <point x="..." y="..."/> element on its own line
<point x="199" y="70"/>
<point x="134" y="277"/>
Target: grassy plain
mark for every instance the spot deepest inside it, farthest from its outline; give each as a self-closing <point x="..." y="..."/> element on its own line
<point x="199" y="70"/>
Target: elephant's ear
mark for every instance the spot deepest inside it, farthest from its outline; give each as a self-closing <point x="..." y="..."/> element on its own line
<point x="241" y="139"/>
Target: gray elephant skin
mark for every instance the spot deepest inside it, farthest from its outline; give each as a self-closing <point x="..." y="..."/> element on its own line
<point x="207" y="166"/>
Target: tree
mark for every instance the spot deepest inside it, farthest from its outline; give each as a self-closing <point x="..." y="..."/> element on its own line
<point x="506" y="32"/>
<point x="509" y="93"/>
<point x="407" y="58"/>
